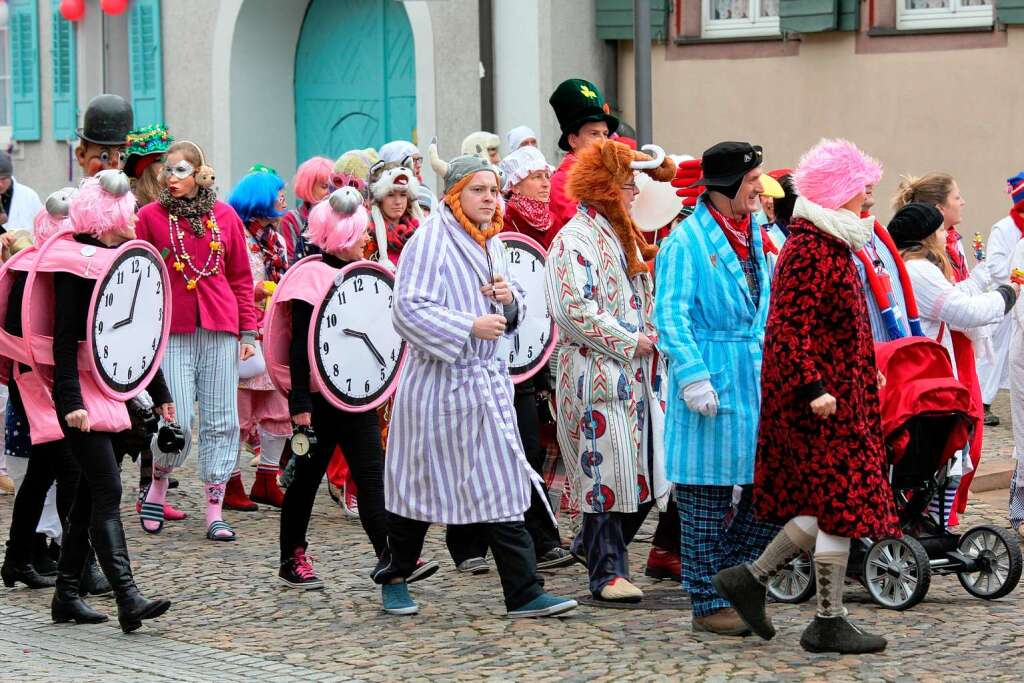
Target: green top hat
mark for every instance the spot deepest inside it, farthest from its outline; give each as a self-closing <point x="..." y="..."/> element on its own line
<point x="143" y="142"/>
<point x="576" y="102"/>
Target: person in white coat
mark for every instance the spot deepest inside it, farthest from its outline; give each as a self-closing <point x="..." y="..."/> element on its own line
<point x="946" y="308"/>
<point x="20" y="203"/>
<point x="993" y="369"/>
<point x="1015" y="368"/>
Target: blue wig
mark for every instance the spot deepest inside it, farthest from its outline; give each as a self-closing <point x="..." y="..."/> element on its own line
<point x="255" y="196"/>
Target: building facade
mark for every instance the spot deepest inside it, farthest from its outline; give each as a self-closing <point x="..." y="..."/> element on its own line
<point x="275" y="81"/>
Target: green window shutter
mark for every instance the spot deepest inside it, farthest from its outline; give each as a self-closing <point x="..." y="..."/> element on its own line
<point x="849" y="15"/>
<point x="1010" y="11"/>
<point x="65" y="76"/>
<point x="145" y="62"/>
<point x="808" y="16"/>
<point x="23" y="27"/>
<point x="615" y="20"/>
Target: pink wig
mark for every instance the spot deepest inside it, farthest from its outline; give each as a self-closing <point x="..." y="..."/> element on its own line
<point x="44" y="225"/>
<point x="833" y="172"/>
<point x="310" y="173"/>
<point x="95" y="211"/>
<point x="339" y="221"/>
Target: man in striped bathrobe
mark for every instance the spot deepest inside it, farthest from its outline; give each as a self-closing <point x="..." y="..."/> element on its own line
<point x="710" y="308"/>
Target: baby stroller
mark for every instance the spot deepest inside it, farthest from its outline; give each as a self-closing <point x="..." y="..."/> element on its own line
<point x="926" y="420"/>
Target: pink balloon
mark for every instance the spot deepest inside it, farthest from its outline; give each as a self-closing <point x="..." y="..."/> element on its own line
<point x="72" y="10"/>
<point x="114" y="7"/>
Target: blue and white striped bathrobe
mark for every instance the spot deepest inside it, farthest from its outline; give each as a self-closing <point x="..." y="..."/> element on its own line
<point x="454" y="455"/>
<point x="709" y="328"/>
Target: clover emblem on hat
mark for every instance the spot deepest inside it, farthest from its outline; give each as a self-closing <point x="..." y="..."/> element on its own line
<point x="587" y="92"/>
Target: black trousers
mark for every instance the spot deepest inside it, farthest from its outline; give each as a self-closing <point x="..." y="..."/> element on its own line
<point x="465" y="542"/>
<point x="358" y="436"/>
<point x="513" y="551"/>
<point x="48" y="463"/>
<point x="98" y="497"/>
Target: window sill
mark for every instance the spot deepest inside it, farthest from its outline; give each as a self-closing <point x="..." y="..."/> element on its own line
<point x="879" y="32"/>
<point x="682" y="40"/>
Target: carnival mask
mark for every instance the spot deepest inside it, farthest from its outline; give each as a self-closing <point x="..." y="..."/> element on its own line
<point x="180" y="170"/>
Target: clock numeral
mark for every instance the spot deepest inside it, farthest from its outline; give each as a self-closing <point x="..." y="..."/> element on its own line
<point x="99" y="327"/>
<point x="120" y="277"/>
<point x="149" y="270"/>
<point x="348" y="385"/>
<point x="336" y="370"/>
<point x="382" y="374"/>
<point x="115" y="368"/>
<point x="106" y="352"/>
<point x="512" y="357"/>
<point x="160" y="314"/>
<point x="135" y="267"/>
<point x="144" y="361"/>
<point x="357" y="285"/>
<point x="108" y="300"/>
<point x="376" y="287"/>
<point x="529" y="352"/>
<point x="366" y="387"/>
<point x="390" y="300"/>
<point x="153" y="345"/>
<point x="332" y="320"/>
<point x="515" y="256"/>
<point x="533" y="266"/>
<point x="159" y="286"/>
<point x="394" y="355"/>
<point x="341" y="297"/>
<point x="129" y="372"/>
<point x="326" y="348"/>
<point x="543" y="338"/>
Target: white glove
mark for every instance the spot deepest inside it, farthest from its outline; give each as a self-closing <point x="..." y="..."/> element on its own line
<point x="701" y="398"/>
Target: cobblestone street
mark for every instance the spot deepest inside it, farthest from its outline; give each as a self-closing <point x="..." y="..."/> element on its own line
<point x="231" y="620"/>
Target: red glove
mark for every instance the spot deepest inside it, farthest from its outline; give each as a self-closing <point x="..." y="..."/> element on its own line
<point x="687" y="173"/>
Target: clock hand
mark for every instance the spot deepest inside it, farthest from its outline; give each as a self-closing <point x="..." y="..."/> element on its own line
<point x="131" y="311"/>
<point x="369" y="344"/>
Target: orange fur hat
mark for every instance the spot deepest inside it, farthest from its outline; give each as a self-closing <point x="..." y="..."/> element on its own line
<point x="597" y="178"/>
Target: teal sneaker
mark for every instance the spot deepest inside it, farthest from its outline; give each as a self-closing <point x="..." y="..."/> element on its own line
<point x="544" y="605"/>
<point x="396" y="599"/>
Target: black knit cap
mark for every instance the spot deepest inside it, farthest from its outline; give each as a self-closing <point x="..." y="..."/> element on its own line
<point x="914" y="223"/>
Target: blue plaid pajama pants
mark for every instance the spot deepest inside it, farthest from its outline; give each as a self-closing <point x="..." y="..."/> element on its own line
<point x="714" y="535"/>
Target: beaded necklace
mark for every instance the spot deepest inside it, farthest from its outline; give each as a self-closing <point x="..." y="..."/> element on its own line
<point x="183" y="260"/>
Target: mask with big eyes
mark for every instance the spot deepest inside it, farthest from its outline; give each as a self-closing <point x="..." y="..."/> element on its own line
<point x="95" y="158"/>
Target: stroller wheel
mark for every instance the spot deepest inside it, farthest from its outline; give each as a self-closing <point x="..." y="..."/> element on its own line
<point x="897" y="572"/>
<point x="795" y="583"/>
<point x="998" y="556"/>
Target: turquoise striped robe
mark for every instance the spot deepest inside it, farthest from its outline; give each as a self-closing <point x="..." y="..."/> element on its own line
<point x="709" y="328"/>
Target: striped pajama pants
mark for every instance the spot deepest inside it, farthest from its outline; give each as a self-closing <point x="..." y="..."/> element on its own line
<point x="715" y="535"/>
<point x="203" y="367"/>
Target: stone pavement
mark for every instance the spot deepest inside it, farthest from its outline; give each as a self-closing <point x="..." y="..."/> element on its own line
<point x="232" y="621"/>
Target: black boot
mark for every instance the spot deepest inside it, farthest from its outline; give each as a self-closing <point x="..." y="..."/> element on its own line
<point x="18" y="568"/>
<point x="93" y="582"/>
<point x="112" y="553"/>
<point x="67" y="604"/>
<point x="43" y="562"/>
<point x="837" y="634"/>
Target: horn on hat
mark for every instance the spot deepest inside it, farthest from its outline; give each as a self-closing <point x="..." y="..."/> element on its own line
<point x="346" y="200"/>
<point x="440" y="166"/>
<point x="656" y="152"/>
<point x="115" y="182"/>
<point x="58" y="202"/>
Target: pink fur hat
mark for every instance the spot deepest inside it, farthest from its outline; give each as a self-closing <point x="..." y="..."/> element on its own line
<point x="338" y="221"/>
<point x="833" y="172"/>
<point x="103" y="203"/>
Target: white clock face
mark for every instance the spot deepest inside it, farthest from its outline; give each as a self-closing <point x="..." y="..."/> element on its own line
<point x="128" y="319"/>
<point x="525" y="350"/>
<point x="358" y="350"/>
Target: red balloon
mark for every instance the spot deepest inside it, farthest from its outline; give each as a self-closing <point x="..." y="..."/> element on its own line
<point x="72" y="10"/>
<point x="114" y="7"/>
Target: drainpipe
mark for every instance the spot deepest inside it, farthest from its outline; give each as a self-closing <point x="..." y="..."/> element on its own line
<point x="486" y="11"/>
<point x="642" y="70"/>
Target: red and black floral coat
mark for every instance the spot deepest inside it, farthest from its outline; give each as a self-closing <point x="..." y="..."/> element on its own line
<point x="818" y="340"/>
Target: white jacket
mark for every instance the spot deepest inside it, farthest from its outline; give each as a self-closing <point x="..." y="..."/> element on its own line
<point x="943" y="305"/>
<point x="25" y="205"/>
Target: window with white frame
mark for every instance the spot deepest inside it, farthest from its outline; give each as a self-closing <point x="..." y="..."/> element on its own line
<point x="740" y="18"/>
<point x="917" y="14"/>
<point x="5" y="79"/>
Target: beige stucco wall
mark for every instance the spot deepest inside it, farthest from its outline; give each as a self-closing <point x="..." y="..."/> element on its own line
<point x="957" y="111"/>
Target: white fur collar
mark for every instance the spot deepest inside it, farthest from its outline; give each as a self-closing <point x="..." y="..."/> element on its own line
<point x="840" y="223"/>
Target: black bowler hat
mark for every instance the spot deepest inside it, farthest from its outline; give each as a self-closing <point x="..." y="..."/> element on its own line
<point x="725" y="164"/>
<point x="107" y="120"/>
<point x="914" y="223"/>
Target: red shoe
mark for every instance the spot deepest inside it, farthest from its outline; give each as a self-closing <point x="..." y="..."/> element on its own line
<point x="265" y="488"/>
<point x="662" y="564"/>
<point x="171" y="513"/>
<point x="234" y="495"/>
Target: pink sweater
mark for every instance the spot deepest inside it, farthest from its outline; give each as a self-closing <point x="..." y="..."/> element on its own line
<point x="221" y="302"/>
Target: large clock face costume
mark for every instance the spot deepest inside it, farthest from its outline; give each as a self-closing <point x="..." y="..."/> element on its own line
<point x="128" y="318"/>
<point x="529" y="349"/>
<point x="355" y="346"/>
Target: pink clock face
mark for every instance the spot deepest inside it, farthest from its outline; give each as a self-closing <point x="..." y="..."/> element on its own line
<point x="356" y="349"/>
<point x="129" y="320"/>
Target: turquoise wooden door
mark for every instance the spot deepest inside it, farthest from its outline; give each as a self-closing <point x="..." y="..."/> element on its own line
<point x="355" y="78"/>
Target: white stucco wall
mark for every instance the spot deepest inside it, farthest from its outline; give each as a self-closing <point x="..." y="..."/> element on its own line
<point x="456" y="72"/>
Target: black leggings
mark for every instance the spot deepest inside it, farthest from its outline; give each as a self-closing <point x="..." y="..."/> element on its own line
<point x="358" y="436"/>
<point x="98" y="497"/>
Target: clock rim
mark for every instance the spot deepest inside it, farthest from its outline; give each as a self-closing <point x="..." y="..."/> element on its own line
<point x="523" y="373"/>
<point x="115" y="390"/>
<point x="338" y="398"/>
